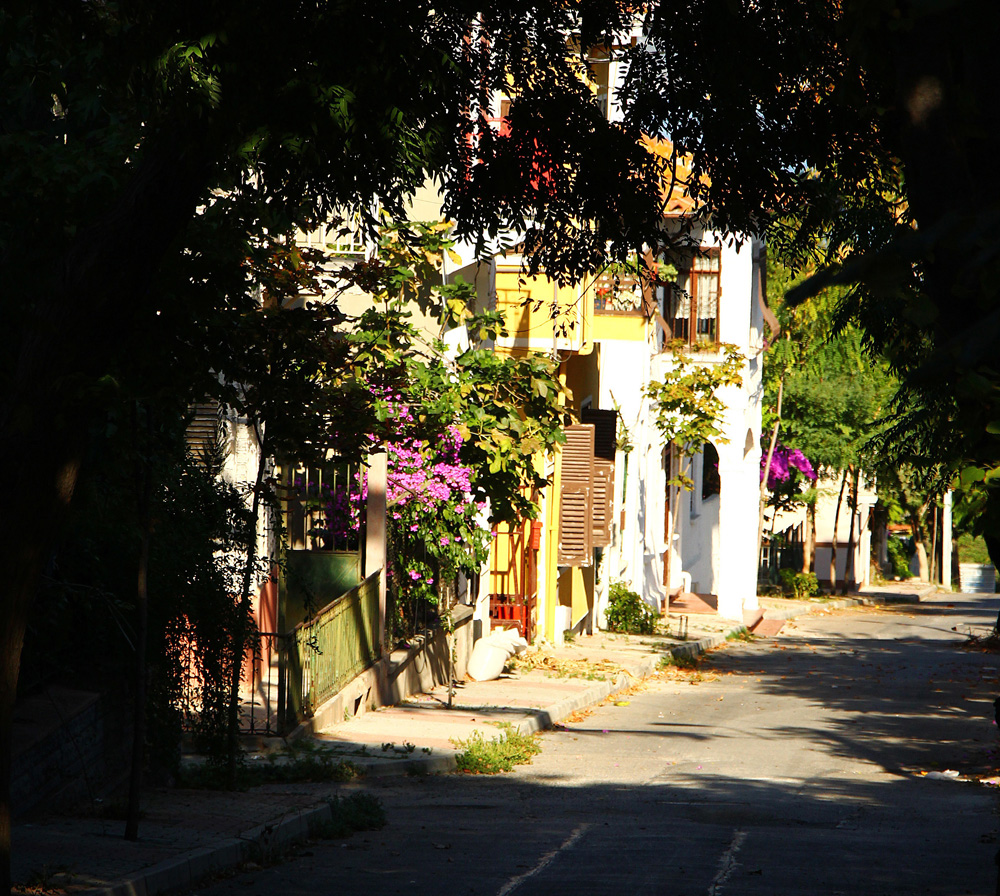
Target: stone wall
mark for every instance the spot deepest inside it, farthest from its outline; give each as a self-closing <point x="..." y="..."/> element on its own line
<point x="69" y="746"/>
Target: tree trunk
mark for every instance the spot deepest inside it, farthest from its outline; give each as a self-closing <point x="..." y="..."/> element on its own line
<point x="809" y="538"/>
<point x="833" y="540"/>
<point x="77" y="319"/>
<point x="934" y="564"/>
<point x="992" y="540"/>
<point x="922" y="565"/>
<point x="144" y="490"/>
<point x="917" y="527"/>
<point x="672" y="519"/>
<point x="767" y="469"/>
<point x="849" y="561"/>
<point x="879" y="548"/>
<point x="243" y="614"/>
<point x="38" y="493"/>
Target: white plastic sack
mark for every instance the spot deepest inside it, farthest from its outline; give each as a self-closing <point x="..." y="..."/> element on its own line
<point x="490" y="654"/>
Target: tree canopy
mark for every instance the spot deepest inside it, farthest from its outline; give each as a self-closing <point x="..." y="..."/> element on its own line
<point x="147" y="149"/>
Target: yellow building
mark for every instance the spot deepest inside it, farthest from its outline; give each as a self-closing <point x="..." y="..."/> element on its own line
<point x="542" y="575"/>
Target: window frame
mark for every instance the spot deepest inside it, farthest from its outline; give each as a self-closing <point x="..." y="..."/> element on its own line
<point x="685" y="293"/>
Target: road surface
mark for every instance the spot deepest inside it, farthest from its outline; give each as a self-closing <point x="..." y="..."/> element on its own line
<point x="826" y="760"/>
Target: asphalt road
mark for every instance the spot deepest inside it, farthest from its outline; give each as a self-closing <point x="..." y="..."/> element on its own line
<point x="820" y="761"/>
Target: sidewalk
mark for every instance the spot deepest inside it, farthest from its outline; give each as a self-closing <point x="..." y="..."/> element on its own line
<point x="186" y="835"/>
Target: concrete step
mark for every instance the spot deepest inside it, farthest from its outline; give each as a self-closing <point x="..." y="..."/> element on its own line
<point x="768" y="628"/>
<point x="752" y="619"/>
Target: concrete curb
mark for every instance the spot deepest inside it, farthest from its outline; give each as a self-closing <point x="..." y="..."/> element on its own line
<point x="914" y="598"/>
<point x="543" y="719"/>
<point x="185" y="871"/>
<point x="791" y="612"/>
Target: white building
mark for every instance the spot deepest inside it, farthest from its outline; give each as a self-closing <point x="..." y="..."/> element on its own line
<point x="715" y="531"/>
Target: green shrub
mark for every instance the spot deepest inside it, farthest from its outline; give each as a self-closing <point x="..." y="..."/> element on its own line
<point x="900" y="550"/>
<point x="798" y="584"/>
<point x="627" y="612"/>
<point x="971" y="549"/>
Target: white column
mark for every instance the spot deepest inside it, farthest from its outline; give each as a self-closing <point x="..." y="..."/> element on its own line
<point x="737" y="580"/>
<point x="375" y="531"/>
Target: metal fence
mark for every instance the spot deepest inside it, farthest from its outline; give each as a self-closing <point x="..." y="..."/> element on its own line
<point x="340" y="642"/>
<point x="289" y="675"/>
<point x="783" y="550"/>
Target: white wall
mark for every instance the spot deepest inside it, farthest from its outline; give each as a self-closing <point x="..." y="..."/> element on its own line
<point x="715" y="545"/>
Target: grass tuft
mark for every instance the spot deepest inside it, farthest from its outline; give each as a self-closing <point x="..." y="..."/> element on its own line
<point x="491" y="757"/>
<point x="355" y="812"/>
<point x="297" y="762"/>
<point x="679" y="661"/>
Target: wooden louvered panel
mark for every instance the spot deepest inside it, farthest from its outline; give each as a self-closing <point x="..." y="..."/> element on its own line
<point x="578" y="453"/>
<point x="576" y="497"/>
<point x="575" y="544"/>
<point x="605" y="425"/>
<point x="203" y="430"/>
<point x="604" y="489"/>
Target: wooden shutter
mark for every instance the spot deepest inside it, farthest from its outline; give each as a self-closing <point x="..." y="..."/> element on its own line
<point x="605" y="444"/>
<point x="576" y="497"/>
<point x="604" y="489"/>
<point x="202" y="432"/>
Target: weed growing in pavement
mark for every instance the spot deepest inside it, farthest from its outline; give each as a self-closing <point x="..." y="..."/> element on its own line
<point x="47" y="879"/>
<point x="679" y="661"/>
<point x="986" y="643"/>
<point x="298" y="761"/>
<point x="348" y="814"/>
<point x="741" y="634"/>
<point x="587" y="676"/>
<point x="479" y="756"/>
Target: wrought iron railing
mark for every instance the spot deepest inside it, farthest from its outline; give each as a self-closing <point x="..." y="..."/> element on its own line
<point x="783" y="550"/>
<point x="327" y="651"/>
<point x="291" y="674"/>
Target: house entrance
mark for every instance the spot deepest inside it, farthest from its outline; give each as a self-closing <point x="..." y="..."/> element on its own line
<point x="514" y="576"/>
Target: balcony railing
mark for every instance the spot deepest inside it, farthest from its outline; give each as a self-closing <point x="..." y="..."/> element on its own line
<point x="618" y="293"/>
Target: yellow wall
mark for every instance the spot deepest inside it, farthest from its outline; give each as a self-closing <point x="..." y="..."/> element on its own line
<point x="626" y="327"/>
<point x="547" y="619"/>
<point x="583" y="378"/>
<point x="527" y="305"/>
<point x="576" y="590"/>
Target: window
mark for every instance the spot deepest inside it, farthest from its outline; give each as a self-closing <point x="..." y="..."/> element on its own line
<point x="343" y="237"/>
<point x="690" y="305"/>
<point x="711" y="482"/>
<point x="599" y="74"/>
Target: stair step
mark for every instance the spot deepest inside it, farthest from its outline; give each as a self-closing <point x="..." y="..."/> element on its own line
<point x="768" y="628"/>
<point x="752" y="619"/>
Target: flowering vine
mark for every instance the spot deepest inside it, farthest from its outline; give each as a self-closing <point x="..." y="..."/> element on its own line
<point x="784" y="463"/>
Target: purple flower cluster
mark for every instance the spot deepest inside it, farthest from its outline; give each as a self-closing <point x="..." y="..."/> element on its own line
<point x="783" y="463"/>
<point x="429" y="497"/>
<point x="428" y="476"/>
